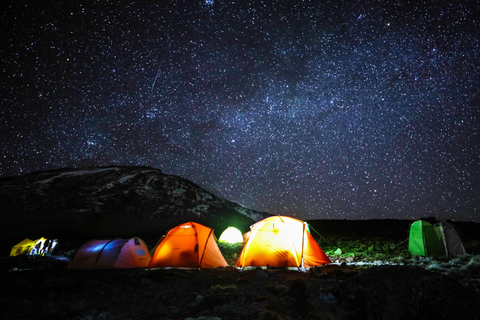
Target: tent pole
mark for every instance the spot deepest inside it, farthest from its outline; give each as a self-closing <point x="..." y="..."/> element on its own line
<point x="302" y="265"/>
<point x="425" y="251"/>
<point x="199" y="259"/>
<point x="204" y="248"/>
<point x="444" y="239"/>
<point x="100" y="253"/>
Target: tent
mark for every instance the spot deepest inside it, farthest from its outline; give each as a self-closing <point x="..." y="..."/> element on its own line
<point x="231" y="235"/>
<point x="423" y="240"/>
<point x="438" y="239"/>
<point x="451" y="239"/>
<point x="189" y="245"/>
<point x="281" y="241"/>
<point x="23" y="247"/>
<point x="31" y="247"/>
<point x="111" y="254"/>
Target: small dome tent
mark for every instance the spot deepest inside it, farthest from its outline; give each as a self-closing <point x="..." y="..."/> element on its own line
<point x="23" y="247"/>
<point x="33" y="247"/>
<point x="281" y="241"/>
<point x="111" y="254"/>
<point x="438" y="239"/>
<point x="189" y="245"/>
<point x="231" y="235"/>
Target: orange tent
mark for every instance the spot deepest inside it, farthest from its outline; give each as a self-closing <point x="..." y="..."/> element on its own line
<point x="281" y="241"/>
<point x="189" y="245"/>
<point x="110" y="254"/>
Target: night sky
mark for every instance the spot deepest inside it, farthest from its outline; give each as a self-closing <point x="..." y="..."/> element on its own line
<point x="316" y="109"/>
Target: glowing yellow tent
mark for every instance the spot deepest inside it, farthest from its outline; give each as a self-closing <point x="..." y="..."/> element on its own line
<point x="189" y="245"/>
<point x="231" y="235"/>
<point x="111" y="254"/>
<point x="281" y="241"/>
<point x="28" y="247"/>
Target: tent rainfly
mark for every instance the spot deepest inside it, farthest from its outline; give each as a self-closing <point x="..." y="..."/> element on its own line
<point x="281" y="241"/>
<point x="189" y="245"/>
<point x="111" y="254"/>
<point x="439" y="239"/>
<point x="231" y="235"/>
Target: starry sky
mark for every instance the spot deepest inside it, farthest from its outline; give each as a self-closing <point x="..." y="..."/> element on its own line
<point x="316" y="109"/>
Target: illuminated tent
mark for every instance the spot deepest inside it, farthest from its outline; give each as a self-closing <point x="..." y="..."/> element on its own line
<point x="231" y="235"/>
<point x="435" y="240"/>
<point x="281" y="241"/>
<point x="28" y="247"/>
<point x="245" y="236"/>
<point x="423" y="240"/>
<point x="111" y="254"/>
<point x="189" y="245"/>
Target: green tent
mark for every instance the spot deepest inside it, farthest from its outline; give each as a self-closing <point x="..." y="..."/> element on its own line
<point x="435" y="240"/>
<point x="424" y="240"/>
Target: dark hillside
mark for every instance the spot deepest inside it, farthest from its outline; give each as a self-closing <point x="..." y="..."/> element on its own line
<point x="375" y="228"/>
<point x="110" y="202"/>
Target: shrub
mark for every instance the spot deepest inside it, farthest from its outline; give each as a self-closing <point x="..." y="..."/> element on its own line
<point x="230" y="251"/>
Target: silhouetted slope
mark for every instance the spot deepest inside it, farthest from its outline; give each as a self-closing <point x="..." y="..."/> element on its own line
<point x="110" y="202"/>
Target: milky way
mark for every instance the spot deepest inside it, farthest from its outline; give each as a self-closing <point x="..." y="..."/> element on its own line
<point x="317" y="109"/>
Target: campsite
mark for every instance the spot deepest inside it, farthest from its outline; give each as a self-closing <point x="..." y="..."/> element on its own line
<point x="372" y="275"/>
<point x="103" y="243"/>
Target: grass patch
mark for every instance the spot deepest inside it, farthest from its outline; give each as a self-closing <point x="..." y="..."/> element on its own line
<point x="230" y="251"/>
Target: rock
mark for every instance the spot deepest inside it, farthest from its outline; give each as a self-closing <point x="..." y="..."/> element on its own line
<point x="173" y="309"/>
<point x="199" y="299"/>
<point x="328" y="298"/>
<point x="261" y="275"/>
<point x="241" y="301"/>
<point x="222" y="308"/>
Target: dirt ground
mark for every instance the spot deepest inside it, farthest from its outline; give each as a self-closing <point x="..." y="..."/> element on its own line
<point x="43" y="288"/>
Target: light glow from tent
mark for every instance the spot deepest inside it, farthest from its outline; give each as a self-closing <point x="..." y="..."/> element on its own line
<point x="231" y="235"/>
<point x="95" y="248"/>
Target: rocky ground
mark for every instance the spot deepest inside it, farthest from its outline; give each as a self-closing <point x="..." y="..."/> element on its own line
<point x="43" y="288"/>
